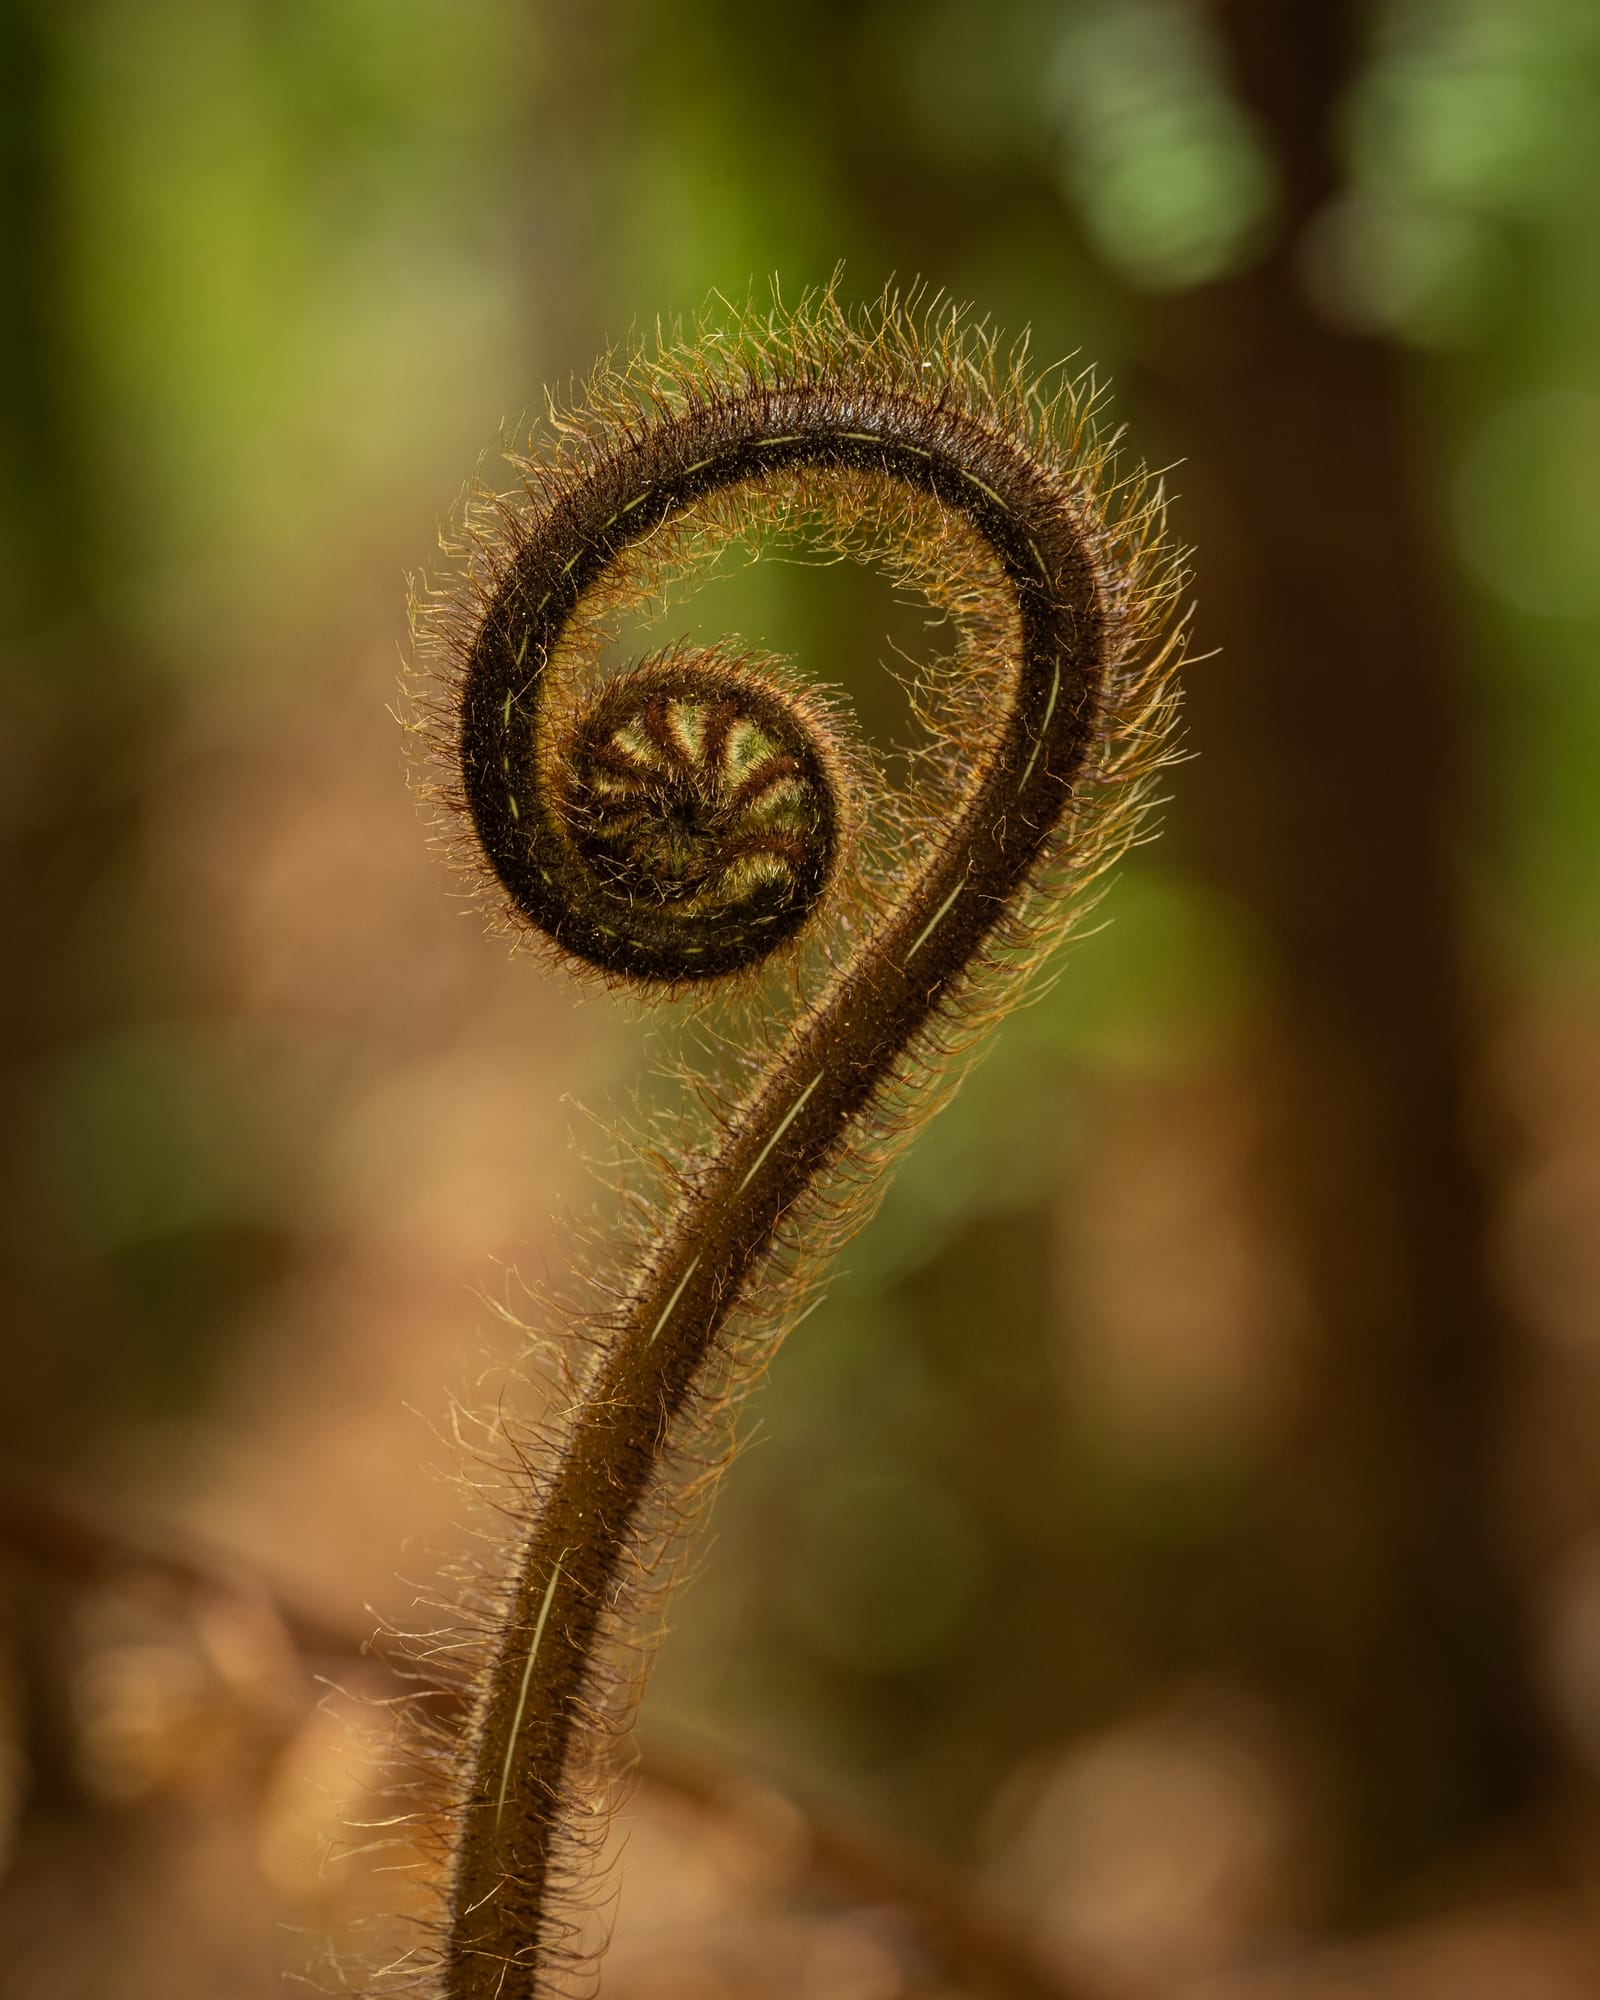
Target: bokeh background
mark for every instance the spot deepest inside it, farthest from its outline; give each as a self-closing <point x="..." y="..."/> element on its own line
<point x="1179" y="1533"/>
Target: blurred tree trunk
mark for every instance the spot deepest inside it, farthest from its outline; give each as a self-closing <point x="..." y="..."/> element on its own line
<point x="51" y="561"/>
<point x="79" y="717"/>
<point x="1332" y="802"/>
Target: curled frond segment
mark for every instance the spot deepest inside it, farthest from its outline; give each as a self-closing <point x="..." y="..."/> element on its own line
<point x="697" y="815"/>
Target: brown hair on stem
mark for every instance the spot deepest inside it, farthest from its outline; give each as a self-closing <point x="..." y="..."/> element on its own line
<point x="702" y="817"/>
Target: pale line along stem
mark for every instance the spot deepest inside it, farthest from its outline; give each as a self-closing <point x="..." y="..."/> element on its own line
<point x="666" y="1310"/>
<point x="527" y="1676"/>
<point x="788" y="1119"/>
<point x="934" y="921"/>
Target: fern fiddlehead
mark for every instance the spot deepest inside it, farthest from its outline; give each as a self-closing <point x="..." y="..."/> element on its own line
<point x="695" y="818"/>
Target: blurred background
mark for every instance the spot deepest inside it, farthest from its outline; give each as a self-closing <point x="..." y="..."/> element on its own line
<point x="1170" y="1562"/>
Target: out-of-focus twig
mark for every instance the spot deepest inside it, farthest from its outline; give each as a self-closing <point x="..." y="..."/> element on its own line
<point x="957" y="1923"/>
<point x="65" y="1537"/>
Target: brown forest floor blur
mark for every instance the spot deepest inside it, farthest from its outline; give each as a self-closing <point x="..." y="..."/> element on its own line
<point x="1243" y="1599"/>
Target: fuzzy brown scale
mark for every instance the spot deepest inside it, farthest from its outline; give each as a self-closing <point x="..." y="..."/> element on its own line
<point x="561" y="832"/>
<point x="692" y="785"/>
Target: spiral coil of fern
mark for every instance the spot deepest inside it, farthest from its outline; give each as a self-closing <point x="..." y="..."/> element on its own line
<point x="686" y="822"/>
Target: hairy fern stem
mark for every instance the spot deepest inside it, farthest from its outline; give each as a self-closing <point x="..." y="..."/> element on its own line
<point x="697" y="818"/>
